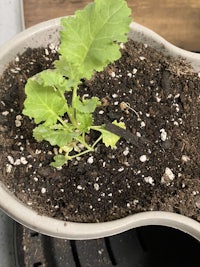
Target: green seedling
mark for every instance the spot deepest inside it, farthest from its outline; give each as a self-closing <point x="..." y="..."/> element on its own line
<point x="89" y="41"/>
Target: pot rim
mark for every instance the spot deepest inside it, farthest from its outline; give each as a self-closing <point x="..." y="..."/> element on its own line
<point x="145" y="33"/>
<point x="72" y="230"/>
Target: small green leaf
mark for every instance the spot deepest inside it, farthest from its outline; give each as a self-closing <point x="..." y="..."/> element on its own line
<point x="38" y="132"/>
<point x="42" y="104"/>
<point x="59" y="160"/>
<point x="87" y="105"/>
<point x="84" y="121"/>
<point x="54" y="79"/>
<point x="109" y="139"/>
<point x="120" y="124"/>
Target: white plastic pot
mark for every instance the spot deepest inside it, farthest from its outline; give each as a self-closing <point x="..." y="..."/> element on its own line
<point x="41" y="35"/>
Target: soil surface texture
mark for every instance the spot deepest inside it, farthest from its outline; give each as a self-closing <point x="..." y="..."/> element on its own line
<point x="155" y="165"/>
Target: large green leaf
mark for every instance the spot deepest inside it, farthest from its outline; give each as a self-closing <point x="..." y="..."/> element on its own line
<point x="42" y="104"/>
<point x="60" y="137"/>
<point x="90" y="39"/>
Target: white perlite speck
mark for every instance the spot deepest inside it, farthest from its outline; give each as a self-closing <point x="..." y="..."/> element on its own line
<point x="134" y="71"/>
<point x="17" y="162"/>
<point x="18" y="120"/>
<point x="112" y="74"/>
<point x="79" y="187"/>
<point x="142" y="124"/>
<point x="149" y="180"/>
<point x="122" y="46"/>
<point x="10" y="159"/>
<point x="121" y="169"/>
<point x="90" y="160"/>
<point x="198" y="204"/>
<point x="114" y="95"/>
<point x="43" y="190"/>
<point x="8" y="168"/>
<point x="126" y="151"/>
<point x="185" y="158"/>
<point x="52" y="46"/>
<point x="143" y="158"/>
<point x="35" y="179"/>
<point x="38" y="151"/>
<point x="168" y="176"/>
<point x="163" y="135"/>
<point x="96" y="186"/>
<point x="46" y="52"/>
<point x="23" y="160"/>
<point x="135" y="201"/>
<point x="5" y="113"/>
<point x="158" y="99"/>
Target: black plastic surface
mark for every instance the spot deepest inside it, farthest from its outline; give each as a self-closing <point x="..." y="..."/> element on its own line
<point x="151" y="246"/>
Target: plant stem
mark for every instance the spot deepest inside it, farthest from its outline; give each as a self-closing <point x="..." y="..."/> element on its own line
<point x="82" y="141"/>
<point x="97" y="141"/>
<point x="79" y="154"/>
<point x="74" y="95"/>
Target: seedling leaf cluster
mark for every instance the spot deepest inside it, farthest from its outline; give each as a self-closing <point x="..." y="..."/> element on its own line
<point x="89" y="41"/>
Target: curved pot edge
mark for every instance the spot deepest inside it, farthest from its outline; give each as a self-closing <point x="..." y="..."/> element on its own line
<point x="142" y="32"/>
<point x="70" y="230"/>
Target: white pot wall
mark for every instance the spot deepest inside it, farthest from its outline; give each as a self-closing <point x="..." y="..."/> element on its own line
<point x="41" y="35"/>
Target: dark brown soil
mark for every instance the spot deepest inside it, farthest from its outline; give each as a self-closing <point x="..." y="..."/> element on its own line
<point x="155" y="165"/>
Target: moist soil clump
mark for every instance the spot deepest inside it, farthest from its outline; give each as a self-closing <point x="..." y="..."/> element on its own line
<point x="155" y="165"/>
